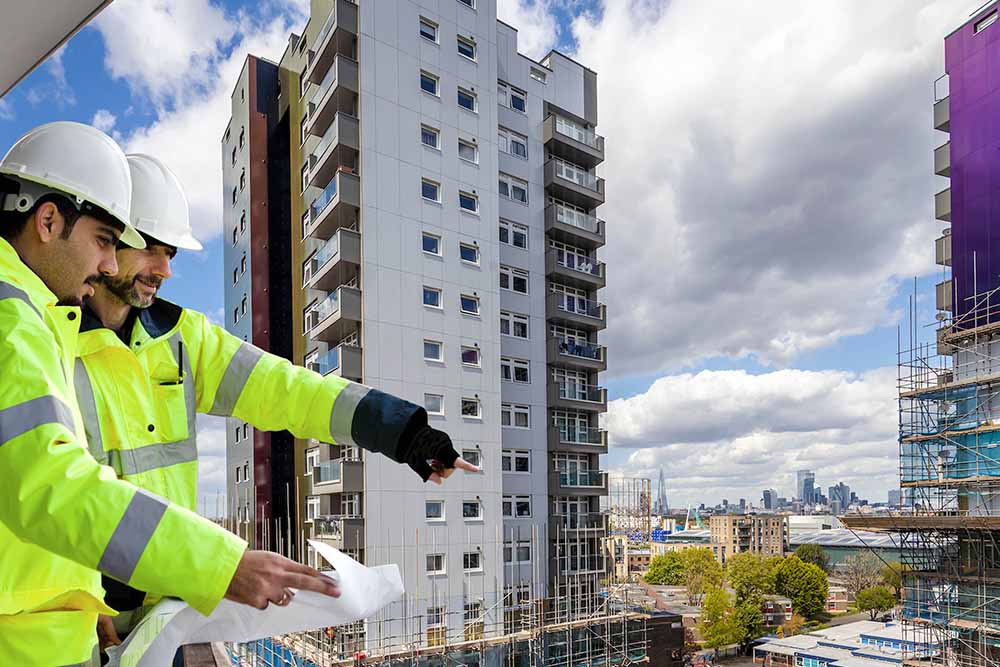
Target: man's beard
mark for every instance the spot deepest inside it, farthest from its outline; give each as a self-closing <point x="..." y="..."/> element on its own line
<point x="75" y="299"/>
<point x="127" y="292"/>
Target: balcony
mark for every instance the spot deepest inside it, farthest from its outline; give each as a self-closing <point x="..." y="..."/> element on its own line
<point x="337" y="148"/>
<point x="580" y="521"/>
<point x="336" y="316"/>
<point x="575" y="311"/>
<point x="577" y="186"/>
<point x="343" y="360"/>
<point x="577" y="565"/>
<point x="335" y="94"/>
<point x="942" y="205"/>
<point x="575" y="270"/>
<point x="573" y="395"/>
<point x="942" y="249"/>
<point x="585" y="356"/>
<point x="571" y="141"/>
<point x="573" y="227"/>
<point x="578" y="483"/>
<point x="340" y="532"/>
<point x="944" y="295"/>
<point x="578" y="439"/>
<point x="335" y="206"/>
<point x="942" y="115"/>
<point x="339" y="476"/>
<point x="336" y="263"/>
<point x="336" y="37"/>
<point x="942" y="159"/>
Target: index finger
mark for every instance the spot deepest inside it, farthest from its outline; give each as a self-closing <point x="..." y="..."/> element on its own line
<point x="316" y="584"/>
<point x="462" y="464"/>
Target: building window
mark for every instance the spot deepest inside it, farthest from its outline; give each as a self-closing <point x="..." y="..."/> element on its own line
<point x="514" y="370"/>
<point x="513" y="324"/>
<point x="538" y="75"/>
<point x="468" y="202"/>
<point x="469" y="3"/>
<point x="305" y="223"/>
<point x="236" y="276"/>
<point x="517" y="507"/>
<point x="470" y="304"/>
<point x="467" y="100"/>
<point x="304" y="176"/>
<point x="236" y="315"/>
<point x="470" y="356"/>
<point x="430" y="137"/>
<point x="515" y="280"/>
<point x="984" y="23"/>
<point x="243" y="306"/>
<point x="239" y="470"/>
<point x="468" y="151"/>
<point x="515" y="416"/>
<point x="432" y="297"/>
<point x="429" y="83"/>
<point x="234" y="156"/>
<point x="513" y="188"/>
<point x="246" y="472"/>
<point x="434" y="510"/>
<point x="431" y="244"/>
<point x="302" y="131"/>
<point x="513" y="234"/>
<point x="517" y="552"/>
<point x="243" y="264"/>
<point x="312" y="460"/>
<point x="469" y="253"/>
<point x="430" y="190"/>
<point x="243" y="221"/>
<point x="512" y="143"/>
<point x="236" y="235"/>
<point x="243" y="134"/>
<point x="234" y="195"/>
<point x="312" y="508"/>
<point x="246" y="431"/>
<point x="472" y="408"/>
<point x="433" y="350"/>
<point x="515" y="460"/>
<point x="434" y="404"/>
<point x="473" y="456"/>
<point x="472" y="510"/>
<point x="435" y="565"/>
<point x="428" y="30"/>
<point x="467" y="48"/>
<point x="512" y="97"/>
<point x="472" y="561"/>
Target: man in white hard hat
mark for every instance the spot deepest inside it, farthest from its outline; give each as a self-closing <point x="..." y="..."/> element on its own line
<point x="173" y="363"/>
<point x="64" y="519"/>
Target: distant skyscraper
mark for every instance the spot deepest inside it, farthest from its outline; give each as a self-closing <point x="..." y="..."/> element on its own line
<point x="770" y="499"/>
<point x="661" y="495"/>
<point x="841" y="492"/>
<point x="802" y="477"/>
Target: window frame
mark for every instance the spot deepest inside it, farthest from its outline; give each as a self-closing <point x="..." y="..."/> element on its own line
<point x="511" y="228"/>
<point x="440" y="346"/>
<point x="462" y="194"/>
<point x="511" y="182"/>
<point x="475" y="402"/>
<point x="459" y="40"/>
<point x="438" y="558"/>
<point x="436" y="519"/>
<point x="512" y="319"/>
<point x="473" y="456"/>
<point x="471" y="4"/>
<point x="435" y="237"/>
<point x="427" y="289"/>
<point x="312" y="502"/>
<point x="430" y="129"/>
<point x="429" y="411"/>
<point x="471" y="94"/>
<point x="506" y="139"/>
<point x="437" y="187"/>
<point x="514" y="409"/>
<point x="478" y="363"/>
<point x="479" y="510"/>
<point x="475" y="151"/>
<point x="422" y="21"/>
<point x="463" y="245"/>
<point x="511" y="272"/>
<point x="514" y="365"/>
<point x="472" y="298"/>
<point x="436" y="80"/>
<point x="465" y="561"/>
<point x="311" y="454"/>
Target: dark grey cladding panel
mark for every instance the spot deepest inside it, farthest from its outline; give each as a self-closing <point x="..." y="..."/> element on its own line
<point x="590" y="96"/>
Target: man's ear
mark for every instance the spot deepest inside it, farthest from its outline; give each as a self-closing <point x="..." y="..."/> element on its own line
<point x="47" y="222"/>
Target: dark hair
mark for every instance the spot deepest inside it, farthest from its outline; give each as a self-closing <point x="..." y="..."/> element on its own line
<point x="12" y="223"/>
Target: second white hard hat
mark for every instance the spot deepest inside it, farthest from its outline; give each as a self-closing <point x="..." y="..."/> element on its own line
<point x="159" y="206"/>
<point x="74" y="160"/>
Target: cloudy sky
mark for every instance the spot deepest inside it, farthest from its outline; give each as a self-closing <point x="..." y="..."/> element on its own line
<point x="770" y="186"/>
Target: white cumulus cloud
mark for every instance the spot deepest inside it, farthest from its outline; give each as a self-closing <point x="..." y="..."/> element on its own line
<point x="104" y="120"/>
<point x="537" y="28"/>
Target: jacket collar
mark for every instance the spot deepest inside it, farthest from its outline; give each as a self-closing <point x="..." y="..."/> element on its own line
<point x="147" y="324"/>
<point x="19" y="274"/>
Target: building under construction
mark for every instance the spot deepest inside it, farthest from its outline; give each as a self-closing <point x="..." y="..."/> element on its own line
<point x="949" y="388"/>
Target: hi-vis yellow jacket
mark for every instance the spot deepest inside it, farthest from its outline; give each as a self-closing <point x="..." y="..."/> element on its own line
<point x="63" y="517"/>
<point x="139" y="400"/>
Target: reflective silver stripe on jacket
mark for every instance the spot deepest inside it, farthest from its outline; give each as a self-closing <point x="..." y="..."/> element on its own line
<point x="131" y="535"/>
<point x="88" y="409"/>
<point x="162" y="455"/>
<point x="342" y="414"/>
<point x="23" y="417"/>
<point x="8" y="291"/>
<point x="235" y="379"/>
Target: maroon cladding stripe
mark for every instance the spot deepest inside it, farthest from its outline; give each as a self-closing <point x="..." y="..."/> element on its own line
<point x="260" y="306"/>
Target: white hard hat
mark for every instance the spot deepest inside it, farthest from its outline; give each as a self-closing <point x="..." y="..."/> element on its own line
<point x="159" y="207"/>
<point x="77" y="161"/>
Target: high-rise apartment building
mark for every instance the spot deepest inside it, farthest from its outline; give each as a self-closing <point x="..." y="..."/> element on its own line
<point x="949" y="521"/>
<point x="441" y="219"/>
<point x="763" y="534"/>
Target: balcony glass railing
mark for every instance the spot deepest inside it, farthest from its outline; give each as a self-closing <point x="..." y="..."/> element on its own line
<point x="573" y="173"/>
<point x="328" y="471"/>
<point x="580" y="263"/>
<point x="324" y="87"/>
<point x="326" y="363"/>
<point x="577" y="349"/>
<point x="322" y="310"/>
<point x="328" y="140"/>
<point x="578" y="391"/>
<point x="325" y="254"/>
<point x="329" y="526"/>
<point x="323" y="200"/>
<point x="581" y="478"/>
<point x="581" y="520"/>
<point x="569" y="216"/>
<point x="331" y="21"/>
<point x="574" y="131"/>
<point x="580" y="435"/>
<point x="579" y="305"/>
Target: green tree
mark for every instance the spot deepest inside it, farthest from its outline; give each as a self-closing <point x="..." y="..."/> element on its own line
<point x="876" y="600"/>
<point x="666" y="570"/>
<point x="701" y="571"/>
<point x="813" y="553"/>
<point x="892" y="577"/>
<point x="750" y="575"/>
<point x="716" y="622"/>
<point x="805" y="584"/>
<point x="860" y="571"/>
<point x="748" y="622"/>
